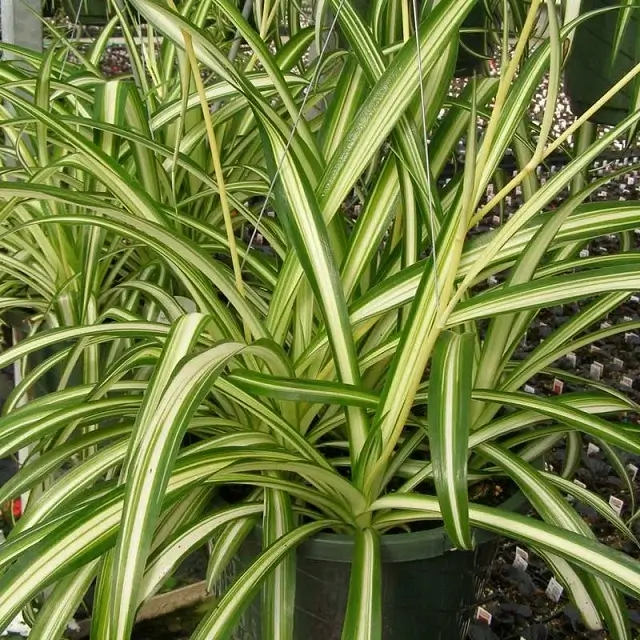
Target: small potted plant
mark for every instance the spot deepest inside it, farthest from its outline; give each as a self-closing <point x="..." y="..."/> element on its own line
<point x="353" y="392"/>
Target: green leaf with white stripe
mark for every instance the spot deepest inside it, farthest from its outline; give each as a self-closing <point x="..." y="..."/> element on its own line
<point x="449" y="418"/>
<point x="310" y="238"/>
<point x="612" y="565"/>
<point x="553" y="508"/>
<point x="221" y="622"/>
<point x="363" y="618"/>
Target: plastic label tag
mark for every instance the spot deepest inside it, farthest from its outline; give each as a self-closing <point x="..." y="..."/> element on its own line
<point x="584" y="253"/>
<point x="521" y="559"/>
<point x="554" y="590"/>
<point x="558" y="386"/>
<point x="529" y="389"/>
<point x="616" y="504"/>
<point x="595" y="372"/>
<point x="483" y="615"/>
<point x="582" y="485"/>
<point x="592" y="449"/>
<point x="618" y="363"/>
<point x="17" y="627"/>
<point x="626" y="382"/>
<point x="633" y="470"/>
<point x="571" y="358"/>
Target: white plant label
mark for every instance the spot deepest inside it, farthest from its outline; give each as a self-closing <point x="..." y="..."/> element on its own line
<point x="618" y="363"/>
<point x="492" y="281"/>
<point x="633" y="470"/>
<point x="634" y="299"/>
<point x="592" y="449"/>
<point x="626" y="382"/>
<point x="595" y="348"/>
<point x="629" y="337"/>
<point x="582" y="485"/>
<point x="616" y="504"/>
<point x="521" y="559"/>
<point x="495" y="220"/>
<point x="627" y="318"/>
<point x="571" y="358"/>
<point x="483" y="616"/>
<point x="17" y="627"/>
<point x="529" y="389"/>
<point x="605" y="325"/>
<point x="554" y="590"/>
<point x="595" y="371"/>
<point x="584" y="253"/>
<point x="558" y="386"/>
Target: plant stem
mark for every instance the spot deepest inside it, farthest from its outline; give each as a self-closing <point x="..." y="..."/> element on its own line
<point x="217" y="165"/>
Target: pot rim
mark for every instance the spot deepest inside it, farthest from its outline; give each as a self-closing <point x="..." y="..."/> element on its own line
<point x="400" y="547"/>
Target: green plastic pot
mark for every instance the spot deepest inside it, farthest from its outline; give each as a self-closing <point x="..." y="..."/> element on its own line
<point x="429" y="589"/>
<point x="589" y="72"/>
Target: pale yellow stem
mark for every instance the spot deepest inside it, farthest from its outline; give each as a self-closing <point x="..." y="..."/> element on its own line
<point x="516" y="180"/>
<point x="506" y="80"/>
<point x="217" y="165"/>
<point x="406" y="21"/>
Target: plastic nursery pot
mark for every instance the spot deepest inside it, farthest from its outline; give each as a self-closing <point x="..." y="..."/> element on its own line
<point x="429" y="590"/>
<point x="49" y="382"/>
<point x="88" y="12"/>
<point x="474" y="45"/>
<point x="592" y="68"/>
<point x="48" y="8"/>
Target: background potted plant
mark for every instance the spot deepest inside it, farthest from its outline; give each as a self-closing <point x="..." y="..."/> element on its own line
<point x="302" y="381"/>
<point x="603" y="49"/>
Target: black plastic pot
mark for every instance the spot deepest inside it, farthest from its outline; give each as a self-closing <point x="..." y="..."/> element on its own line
<point x="425" y="586"/>
<point x="589" y="71"/>
<point x="474" y="42"/>
<point x="88" y="12"/>
<point x="474" y="46"/>
<point x="48" y="8"/>
<point x="48" y="383"/>
<point x="429" y="590"/>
